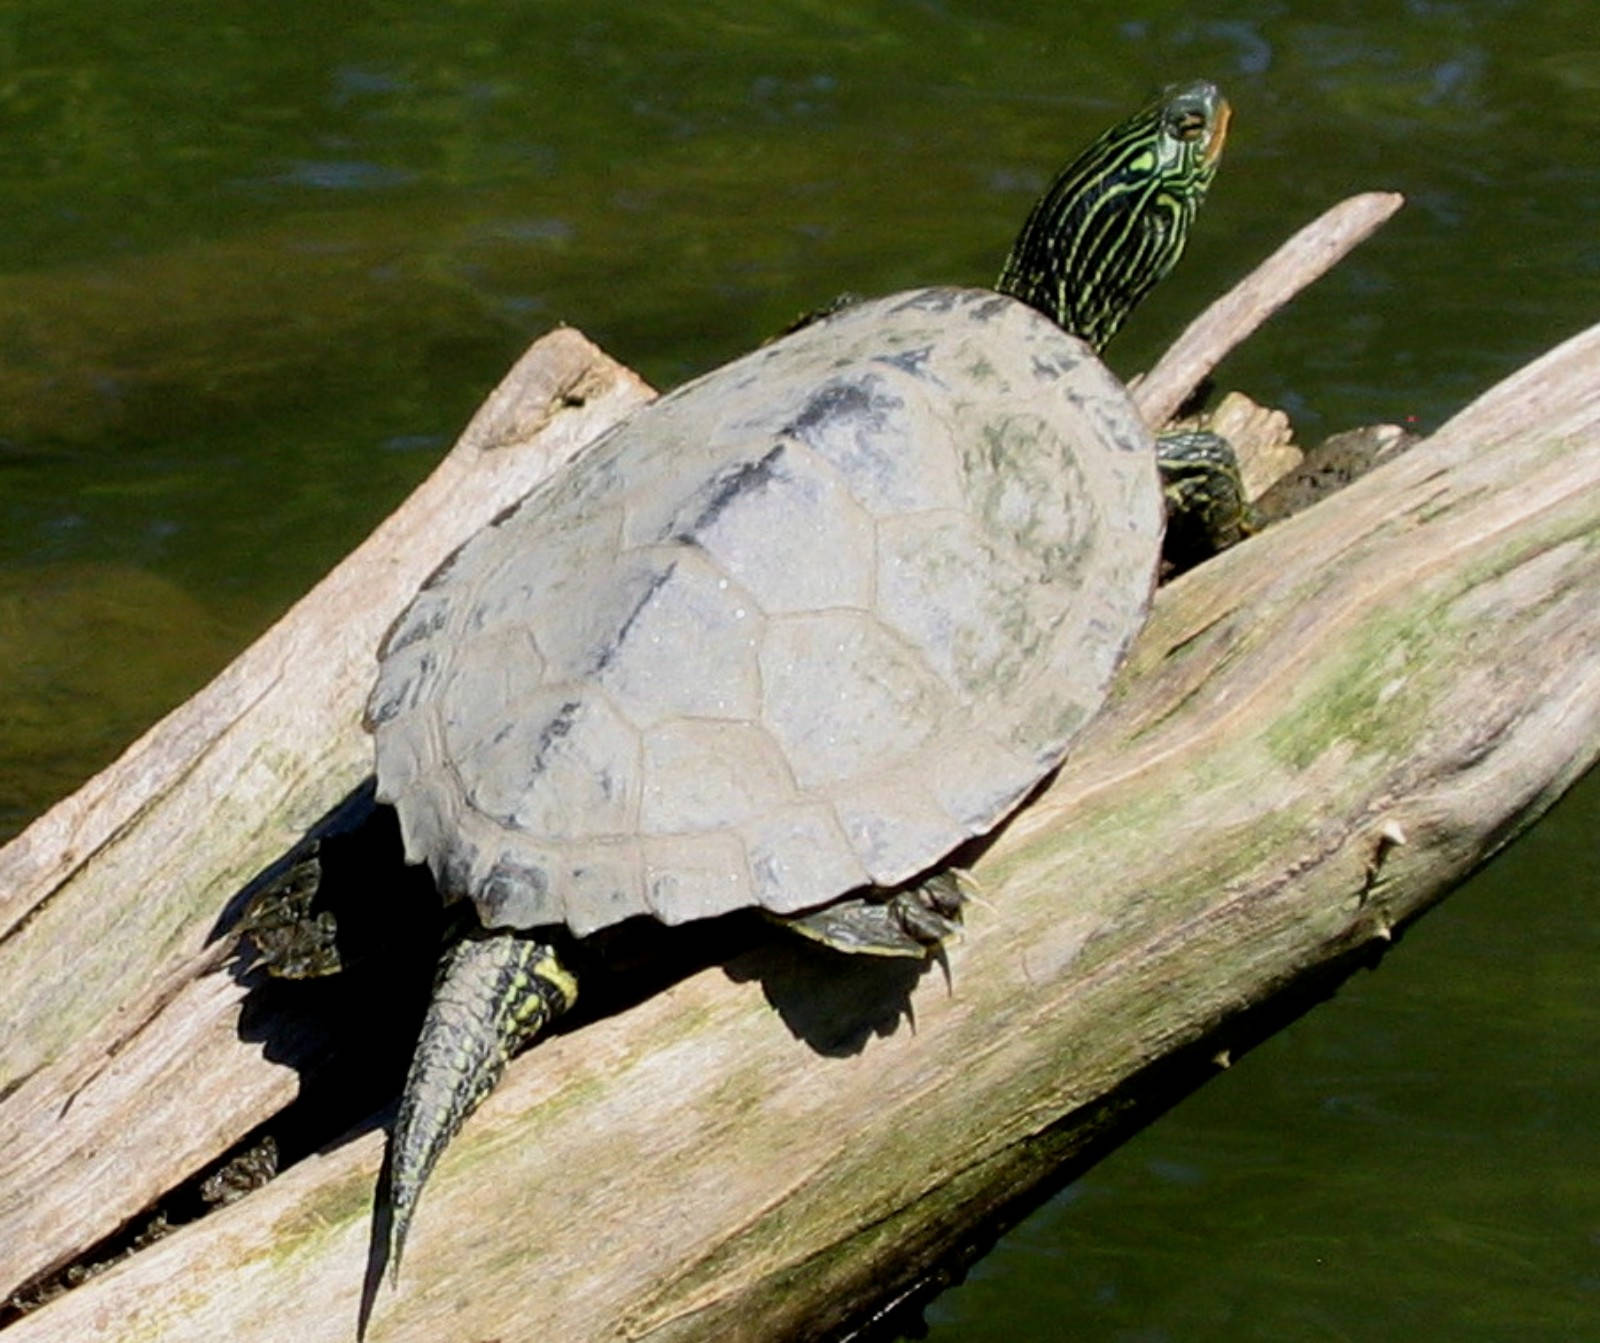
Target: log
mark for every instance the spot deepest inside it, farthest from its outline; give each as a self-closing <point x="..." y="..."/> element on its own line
<point x="122" y="1070"/>
<point x="1317" y="735"/>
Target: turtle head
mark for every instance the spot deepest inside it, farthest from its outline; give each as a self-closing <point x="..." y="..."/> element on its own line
<point x="1115" y="221"/>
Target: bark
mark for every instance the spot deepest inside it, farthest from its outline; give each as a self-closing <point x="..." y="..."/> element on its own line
<point x="1317" y="735"/>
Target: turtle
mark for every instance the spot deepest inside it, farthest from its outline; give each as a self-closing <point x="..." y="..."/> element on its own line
<point x="786" y="637"/>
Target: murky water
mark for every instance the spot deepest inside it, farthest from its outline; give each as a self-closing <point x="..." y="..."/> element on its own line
<point x="260" y="262"/>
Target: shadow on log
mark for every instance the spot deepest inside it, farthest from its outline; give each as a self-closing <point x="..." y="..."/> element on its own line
<point x="1317" y="735"/>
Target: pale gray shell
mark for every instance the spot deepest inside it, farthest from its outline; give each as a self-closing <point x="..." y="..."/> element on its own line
<point x="804" y="624"/>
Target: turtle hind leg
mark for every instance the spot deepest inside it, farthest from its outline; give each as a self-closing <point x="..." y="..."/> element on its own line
<point x="494" y="992"/>
<point x="913" y="921"/>
<point x="1207" y="510"/>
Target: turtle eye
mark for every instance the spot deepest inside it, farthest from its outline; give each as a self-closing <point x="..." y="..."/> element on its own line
<point x="1189" y="125"/>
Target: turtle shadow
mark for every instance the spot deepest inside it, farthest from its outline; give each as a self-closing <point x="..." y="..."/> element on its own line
<point x="347" y="1035"/>
<point x="838" y="1001"/>
<point x="347" y="1027"/>
<point x="833" y="1001"/>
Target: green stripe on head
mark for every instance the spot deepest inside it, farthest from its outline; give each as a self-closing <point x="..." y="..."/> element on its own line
<point x="1115" y="222"/>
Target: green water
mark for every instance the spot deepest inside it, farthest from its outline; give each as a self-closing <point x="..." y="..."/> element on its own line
<point x="258" y="263"/>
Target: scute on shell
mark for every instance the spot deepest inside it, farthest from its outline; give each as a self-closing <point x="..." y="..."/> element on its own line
<point x="804" y="624"/>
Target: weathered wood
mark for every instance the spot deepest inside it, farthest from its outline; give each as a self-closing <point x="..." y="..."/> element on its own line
<point x="1419" y="657"/>
<point x="121" y="1068"/>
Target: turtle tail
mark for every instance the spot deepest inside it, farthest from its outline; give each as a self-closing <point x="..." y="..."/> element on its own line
<point x="495" y="992"/>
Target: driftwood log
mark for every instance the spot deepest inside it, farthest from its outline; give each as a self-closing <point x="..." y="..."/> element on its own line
<point x="1318" y="734"/>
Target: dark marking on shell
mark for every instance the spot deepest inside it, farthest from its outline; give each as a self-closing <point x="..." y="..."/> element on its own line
<point x="441" y="570"/>
<point x="914" y="362"/>
<point x="422" y="629"/>
<point x="453" y="876"/>
<point x="723" y="489"/>
<point x="930" y="300"/>
<point x="1048" y="369"/>
<point x="993" y="306"/>
<point x="608" y="654"/>
<point x="504" y="515"/>
<point x="559" y="726"/>
<point x="838" y="401"/>
<point x="508" y="881"/>
<point x="379" y="712"/>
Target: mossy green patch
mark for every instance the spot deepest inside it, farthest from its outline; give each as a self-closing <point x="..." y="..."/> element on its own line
<point x="1580" y="526"/>
<point x="735" y="1096"/>
<point x="1373" y="694"/>
<point x="1377" y="693"/>
<point x="329" y="1210"/>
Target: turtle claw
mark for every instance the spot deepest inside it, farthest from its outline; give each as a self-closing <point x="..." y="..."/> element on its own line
<point x="289" y="940"/>
<point x="930" y="912"/>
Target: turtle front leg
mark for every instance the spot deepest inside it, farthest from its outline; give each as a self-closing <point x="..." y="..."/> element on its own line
<point x="494" y="992"/>
<point x="1207" y="510"/>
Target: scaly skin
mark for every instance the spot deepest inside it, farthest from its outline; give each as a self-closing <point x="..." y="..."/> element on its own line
<point x="494" y="993"/>
<point x="1207" y="509"/>
<point x="1115" y="221"/>
<point x="1110" y="228"/>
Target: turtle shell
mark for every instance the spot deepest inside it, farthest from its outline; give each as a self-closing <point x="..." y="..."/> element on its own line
<point x="803" y="625"/>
